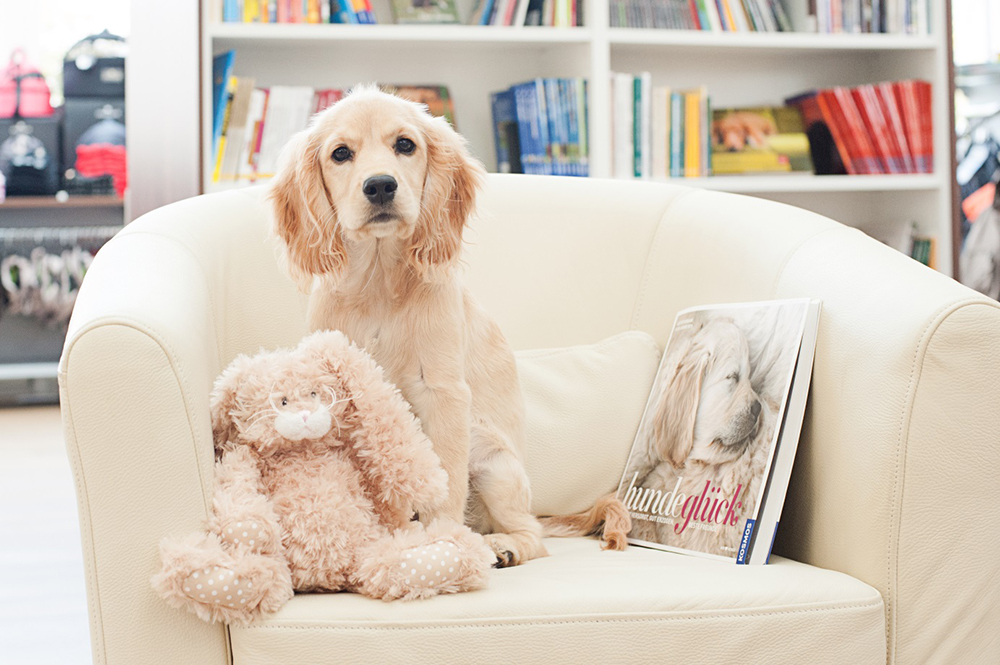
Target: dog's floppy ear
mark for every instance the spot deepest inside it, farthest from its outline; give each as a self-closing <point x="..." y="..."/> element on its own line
<point x="305" y="218"/>
<point x="449" y="197"/>
<point x="674" y="421"/>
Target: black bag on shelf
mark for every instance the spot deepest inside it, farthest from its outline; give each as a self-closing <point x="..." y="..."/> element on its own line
<point x="95" y="67"/>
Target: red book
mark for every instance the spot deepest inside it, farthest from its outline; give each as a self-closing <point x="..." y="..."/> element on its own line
<point x="693" y="4"/>
<point x="897" y="127"/>
<point x="296" y="15"/>
<point x="923" y="90"/>
<point x="864" y="150"/>
<point x="906" y="98"/>
<point x="841" y="136"/>
<point x="877" y="128"/>
<point x="284" y="11"/>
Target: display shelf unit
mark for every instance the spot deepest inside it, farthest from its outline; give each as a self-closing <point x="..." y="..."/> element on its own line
<point x="739" y="69"/>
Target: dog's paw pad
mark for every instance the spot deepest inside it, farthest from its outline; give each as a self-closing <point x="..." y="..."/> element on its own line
<point x="219" y="586"/>
<point x="248" y="533"/>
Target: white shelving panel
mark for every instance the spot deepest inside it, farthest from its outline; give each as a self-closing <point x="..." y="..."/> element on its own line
<point x="739" y="69"/>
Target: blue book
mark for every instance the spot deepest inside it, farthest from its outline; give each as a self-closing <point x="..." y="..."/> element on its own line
<point x="584" y="129"/>
<point x="539" y="119"/>
<point x="222" y="69"/>
<point x="676" y="134"/>
<point x="487" y="12"/>
<point x="571" y="128"/>
<point x="504" y="119"/>
<point x="527" y="137"/>
<point x="552" y="118"/>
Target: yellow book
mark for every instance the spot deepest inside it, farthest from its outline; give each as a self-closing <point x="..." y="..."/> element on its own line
<point x="251" y="11"/>
<point x="230" y="91"/>
<point x="692" y="134"/>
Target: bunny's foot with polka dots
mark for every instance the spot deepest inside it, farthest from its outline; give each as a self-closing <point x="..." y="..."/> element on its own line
<point x="219" y="587"/>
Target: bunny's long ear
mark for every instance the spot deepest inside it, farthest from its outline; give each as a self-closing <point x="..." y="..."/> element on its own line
<point x="676" y="413"/>
<point x="391" y="449"/>
<point x="449" y="197"/>
<point x="236" y="391"/>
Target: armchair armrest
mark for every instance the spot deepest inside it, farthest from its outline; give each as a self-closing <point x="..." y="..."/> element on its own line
<point x="134" y="379"/>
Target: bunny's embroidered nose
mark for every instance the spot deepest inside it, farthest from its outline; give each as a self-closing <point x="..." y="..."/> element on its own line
<point x="305" y="415"/>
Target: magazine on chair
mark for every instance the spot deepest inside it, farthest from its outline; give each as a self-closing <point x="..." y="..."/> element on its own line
<point x="710" y="464"/>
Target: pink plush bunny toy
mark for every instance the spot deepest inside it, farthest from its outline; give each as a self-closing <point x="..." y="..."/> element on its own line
<point x="320" y="468"/>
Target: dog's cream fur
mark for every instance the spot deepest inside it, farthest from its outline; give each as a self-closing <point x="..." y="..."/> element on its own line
<point x="384" y="274"/>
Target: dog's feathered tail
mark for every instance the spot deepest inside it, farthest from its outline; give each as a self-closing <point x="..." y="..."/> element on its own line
<point x="608" y="511"/>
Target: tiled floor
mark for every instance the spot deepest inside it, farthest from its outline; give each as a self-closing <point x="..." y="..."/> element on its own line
<point x="43" y="604"/>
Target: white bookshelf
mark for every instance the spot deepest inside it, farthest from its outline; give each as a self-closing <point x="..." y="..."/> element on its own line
<point x="739" y="69"/>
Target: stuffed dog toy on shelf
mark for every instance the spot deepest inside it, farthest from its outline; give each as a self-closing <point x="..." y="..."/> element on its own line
<point x="320" y="468"/>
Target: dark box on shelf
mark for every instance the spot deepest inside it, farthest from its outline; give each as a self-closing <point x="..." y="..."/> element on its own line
<point x="82" y="113"/>
<point x="48" y="131"/>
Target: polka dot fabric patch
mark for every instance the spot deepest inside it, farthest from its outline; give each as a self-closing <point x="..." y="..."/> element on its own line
<point x="243" y="533"/>
<point x="430" y="565"/>
<point x="220" y="587"/>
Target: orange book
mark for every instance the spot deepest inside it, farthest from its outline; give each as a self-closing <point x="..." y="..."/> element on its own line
<point x="692" y="134"/>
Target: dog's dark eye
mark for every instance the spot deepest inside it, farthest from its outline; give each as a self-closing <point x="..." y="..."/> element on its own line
<point x="284" y="401"/>
<point x="734" y="376"/>
<point x="342" y="154"/>
<point x="405" y="146"/>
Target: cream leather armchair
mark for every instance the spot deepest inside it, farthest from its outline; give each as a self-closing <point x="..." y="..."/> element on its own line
<point x="888" y="545"/>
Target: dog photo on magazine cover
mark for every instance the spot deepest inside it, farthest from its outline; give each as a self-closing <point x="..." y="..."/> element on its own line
<point x="703" y="447"/>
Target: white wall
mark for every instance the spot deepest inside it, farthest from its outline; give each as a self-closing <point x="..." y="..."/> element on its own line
<point x="47" y="28"/>
<point x="162" y="104"/>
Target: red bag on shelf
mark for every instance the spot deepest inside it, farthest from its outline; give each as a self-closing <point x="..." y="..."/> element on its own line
<point x="23" y="90"/>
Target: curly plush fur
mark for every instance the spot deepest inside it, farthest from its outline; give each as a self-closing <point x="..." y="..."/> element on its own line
<point x="320" y="468"/>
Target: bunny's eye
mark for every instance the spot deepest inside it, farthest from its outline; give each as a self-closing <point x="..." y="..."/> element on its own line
<point x="312" y="394"/>
<point x="284" y="401"/>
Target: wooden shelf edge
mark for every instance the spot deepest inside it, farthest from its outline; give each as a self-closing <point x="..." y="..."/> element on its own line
<point x="40" y="202"/>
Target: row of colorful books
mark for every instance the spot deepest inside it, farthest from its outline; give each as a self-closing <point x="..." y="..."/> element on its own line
<point x="549" y="13"/>
<point x="658" y="132"/>
<point x="553" y="13"/>
<point x="882" y="16"/>
<point x="298" y="11"/>
<point x="712" y="15"/>
<point x="540" y="127"/>
<point x="879" y="128"/>
<point x="250" y="125"/>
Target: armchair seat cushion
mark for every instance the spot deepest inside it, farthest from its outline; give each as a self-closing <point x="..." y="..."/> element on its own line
<point x="582" y="604"/>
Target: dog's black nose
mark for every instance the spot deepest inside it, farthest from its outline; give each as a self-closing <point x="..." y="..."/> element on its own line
<point x="755" y="408"/>
<point x="380" y="189"/>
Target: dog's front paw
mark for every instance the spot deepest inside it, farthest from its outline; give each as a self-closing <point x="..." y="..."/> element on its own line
<point x="504" y="548"/>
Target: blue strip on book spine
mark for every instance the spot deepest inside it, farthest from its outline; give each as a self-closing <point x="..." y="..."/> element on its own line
<point x="741" y="556"/>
